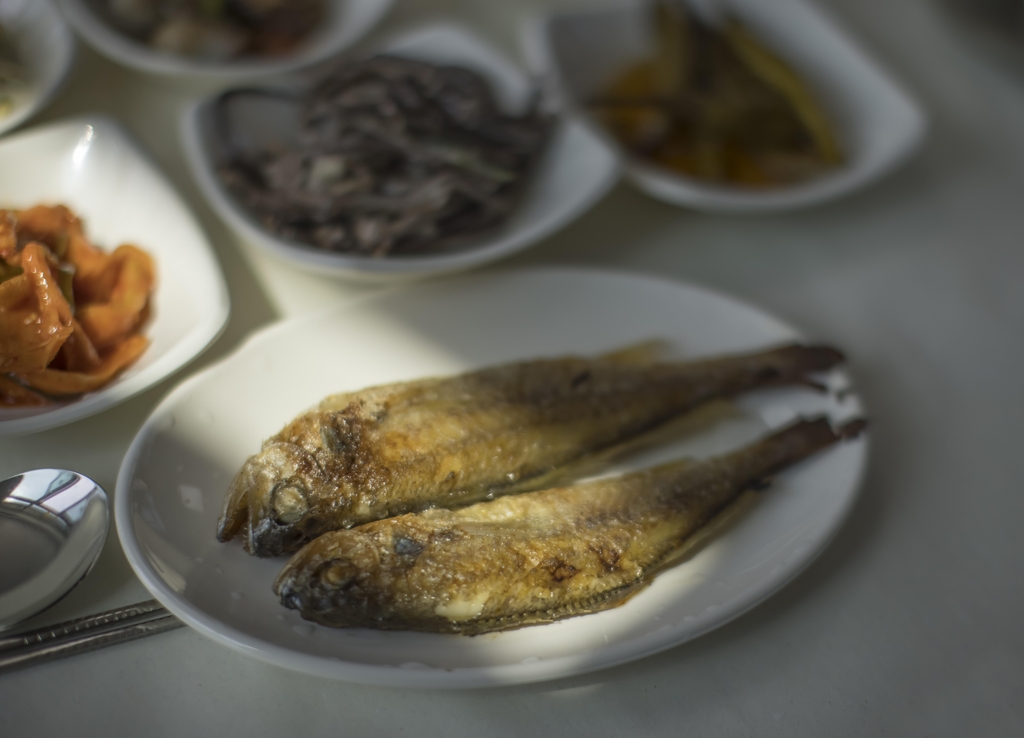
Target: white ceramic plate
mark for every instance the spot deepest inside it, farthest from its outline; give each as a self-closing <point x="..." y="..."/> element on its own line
<point x="347" y="22"/>
<point x="171" y="485"/>
<point x="93" y="167"/>
<point x="878" y="123"/>
<point x="45" y="46"/>
<point x="575" y="171"/>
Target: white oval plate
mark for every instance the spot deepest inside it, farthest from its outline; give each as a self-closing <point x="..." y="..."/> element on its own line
<point x="171" y="485"/>
<point x="93" y="167"/>
<point x="878" y="122"/>
<point x="46" y="47"/>
<point x="347" y="22"/>
<point x="575" y="170"/>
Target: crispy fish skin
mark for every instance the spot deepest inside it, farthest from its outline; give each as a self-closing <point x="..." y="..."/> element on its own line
<point x="400" y="448"/>
<point x="530" y="558"/>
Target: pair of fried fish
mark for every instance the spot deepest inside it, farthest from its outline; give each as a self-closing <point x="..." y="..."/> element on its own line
<point x="388" y="492"/>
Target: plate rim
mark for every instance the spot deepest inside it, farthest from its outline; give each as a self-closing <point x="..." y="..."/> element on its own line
<point x="190" y="347"/>
<point x="461" y="677"/>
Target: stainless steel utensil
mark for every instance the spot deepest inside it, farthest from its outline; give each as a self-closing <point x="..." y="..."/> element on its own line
<point x="86" y="634"/>
<point x="53" y="524"/>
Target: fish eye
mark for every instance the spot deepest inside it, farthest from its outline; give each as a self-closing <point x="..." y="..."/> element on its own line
<point x="337" y="574"/>
<point x="289" y="503"/>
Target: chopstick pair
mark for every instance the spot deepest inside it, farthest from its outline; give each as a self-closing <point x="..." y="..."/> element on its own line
<point x="86" y="634"/>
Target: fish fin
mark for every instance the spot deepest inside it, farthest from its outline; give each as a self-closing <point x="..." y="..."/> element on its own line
<point x="235" y="514"/>
<point x="698" y="420"/>
<point x="603" y="601"/>
<point x="640" y="354"/>
<point x="717" y="526"/>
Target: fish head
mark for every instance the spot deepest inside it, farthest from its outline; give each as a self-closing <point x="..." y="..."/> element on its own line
<point x="278" y="483"/>
<point x="332" y="580"/>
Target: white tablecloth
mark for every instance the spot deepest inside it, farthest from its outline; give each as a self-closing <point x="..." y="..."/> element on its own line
<point x="909" y="624"/>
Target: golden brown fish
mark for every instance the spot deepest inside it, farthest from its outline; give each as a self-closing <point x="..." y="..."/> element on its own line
<point x="531" y="558"/>
<point x="399" y="448"/>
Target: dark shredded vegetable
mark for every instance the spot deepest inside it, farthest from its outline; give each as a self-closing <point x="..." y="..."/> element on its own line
<point x="394" y="157"/>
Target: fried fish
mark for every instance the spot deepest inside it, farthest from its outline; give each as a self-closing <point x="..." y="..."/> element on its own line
<point x="399" y="448"/>
<point x="534" y="557"/>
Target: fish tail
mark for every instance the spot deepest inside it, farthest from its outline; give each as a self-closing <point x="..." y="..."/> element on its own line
<point x="792" y="444"/>
<point x="786" y="365"/>
<point x="793" y="363"/>
<point x="813" y="358"/>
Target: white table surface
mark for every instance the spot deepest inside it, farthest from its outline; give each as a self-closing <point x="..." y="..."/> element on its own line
<point x="910" y="624"/>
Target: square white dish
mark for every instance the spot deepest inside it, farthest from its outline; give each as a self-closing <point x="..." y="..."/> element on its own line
<point x="45" y="46"/>
<point x="92" y="166"/>
<point x="878" y="123"/>
<point x="347" y="21"/>
<point x="575" y="171"/>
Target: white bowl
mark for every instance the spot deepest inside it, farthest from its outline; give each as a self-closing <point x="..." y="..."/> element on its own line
<point x="172" y="482"/>
<point x="90" y="165"/>
<point x="347" y="22"/>
<point x="878" y="123"/>
<point x="575" y="170"/>
<point x="46" y="48"/>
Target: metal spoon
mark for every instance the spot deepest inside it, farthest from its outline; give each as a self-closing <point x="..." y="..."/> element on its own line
<point x="53" y="524"/>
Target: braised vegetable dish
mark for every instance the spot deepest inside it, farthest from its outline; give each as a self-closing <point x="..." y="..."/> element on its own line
<point x="70" y="314"/>
<point x="716" y="104"/>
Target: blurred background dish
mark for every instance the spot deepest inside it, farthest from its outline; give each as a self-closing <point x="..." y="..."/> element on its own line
<point x="217" y="30"/>
<point x="36" y="52"/>
<point x="994" y="27"/>
<point x="92" y="166"/>
<point x="572" y="170"/>
<point x="873" y="123"/>
<point x="219" y="39"/>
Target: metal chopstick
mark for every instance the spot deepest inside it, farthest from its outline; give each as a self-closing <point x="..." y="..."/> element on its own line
<point x="86" y="634"/>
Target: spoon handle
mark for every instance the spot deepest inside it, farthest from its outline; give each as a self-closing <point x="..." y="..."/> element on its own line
<point x="86" y="634"/>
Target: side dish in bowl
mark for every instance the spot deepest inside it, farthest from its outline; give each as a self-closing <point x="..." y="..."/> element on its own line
<point x="216" y="30"/>
<point x="431" y="156"/>
<point x="714" y="103"/>
<point x="36" y="53"/>
<point x="393" y="155"/>
<point x="761" y="105"/>
<point x="83" y="328"/>
<point x="71" y="315"/>
<point x="222" y="39"/>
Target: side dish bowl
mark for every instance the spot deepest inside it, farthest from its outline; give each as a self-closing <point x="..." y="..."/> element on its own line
<point x="45" y="47"/>
<point x="878" y="124"/>
<point x="92" y="166"/>
<point x="347" y="21"/>
<point x="574" y="172"/>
